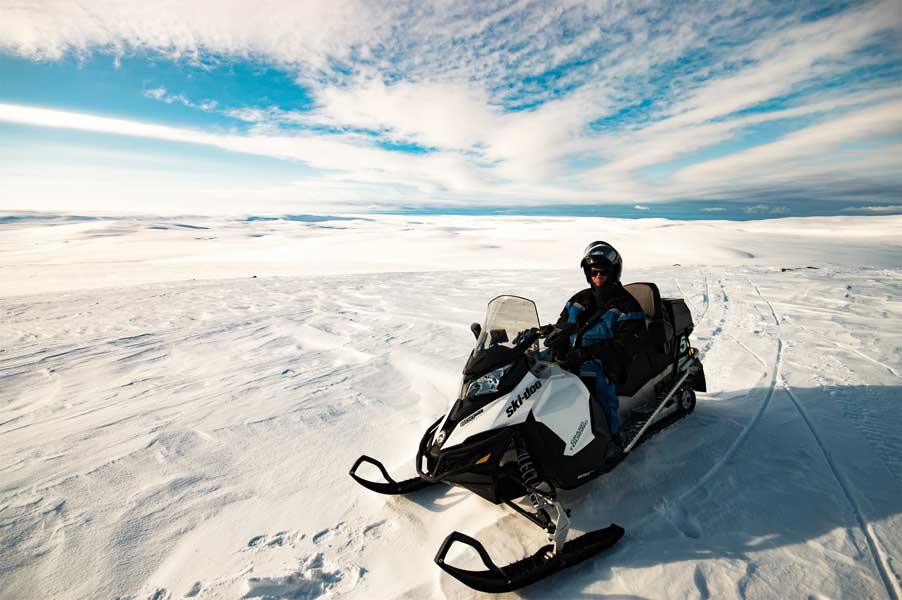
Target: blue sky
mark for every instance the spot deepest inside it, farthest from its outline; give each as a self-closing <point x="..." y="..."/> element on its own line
<point x="767" y="109"/>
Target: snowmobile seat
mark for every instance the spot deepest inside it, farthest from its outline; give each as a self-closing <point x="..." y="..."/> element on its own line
<point x="660" y="330"/>
<point x="654" y="355"/>
<point x="648" y="297"/>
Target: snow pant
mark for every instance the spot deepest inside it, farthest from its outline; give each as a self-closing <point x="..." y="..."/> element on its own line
<point x="605" y="392"/>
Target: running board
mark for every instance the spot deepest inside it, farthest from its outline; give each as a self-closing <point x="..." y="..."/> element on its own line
<point x="389" y="486"/>
<point x="529" y="570"/>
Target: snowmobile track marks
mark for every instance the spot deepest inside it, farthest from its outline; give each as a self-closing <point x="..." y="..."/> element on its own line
<point x="675" y="512"/>
<point x="701" y="583"/>
<point x="707" y="298"/>
<point x="775" y="374"/>
<point x="718" y="329"/>
<point x="766" y="301"/>
<point x="688" y="297"/>
<point x="880" y="559"/>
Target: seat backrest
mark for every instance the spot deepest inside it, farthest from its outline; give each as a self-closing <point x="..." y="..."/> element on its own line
<point x="648" y="297"/>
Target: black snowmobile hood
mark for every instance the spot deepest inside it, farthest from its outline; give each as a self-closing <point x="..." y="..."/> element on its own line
<point x="482" y="362"/>
<point x="465" y="406"/>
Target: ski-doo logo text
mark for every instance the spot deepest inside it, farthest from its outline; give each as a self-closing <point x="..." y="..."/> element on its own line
<point x="518" y="401"/>
<point x="578" y="434"/>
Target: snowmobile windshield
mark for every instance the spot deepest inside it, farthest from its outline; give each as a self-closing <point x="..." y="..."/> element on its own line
<point x="506" y="317"/>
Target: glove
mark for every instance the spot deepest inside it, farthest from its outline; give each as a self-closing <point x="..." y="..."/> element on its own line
<point x="574" y="359"/>
<point x="559" y="337"/>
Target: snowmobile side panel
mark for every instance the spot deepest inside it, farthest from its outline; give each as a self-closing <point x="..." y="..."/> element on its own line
<point x="563" y="407"/>
<point x="563" y="471"/>
<point x="529" y="570"/>
<point x="389" y="486"/>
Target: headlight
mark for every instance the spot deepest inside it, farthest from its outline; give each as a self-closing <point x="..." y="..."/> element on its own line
<point x="486" y="384"/>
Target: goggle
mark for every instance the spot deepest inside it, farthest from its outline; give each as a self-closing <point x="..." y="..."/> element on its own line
<point x="597" y="272"/>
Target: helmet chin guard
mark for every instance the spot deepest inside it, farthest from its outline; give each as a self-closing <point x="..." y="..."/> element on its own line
<point x="602" y="255"/>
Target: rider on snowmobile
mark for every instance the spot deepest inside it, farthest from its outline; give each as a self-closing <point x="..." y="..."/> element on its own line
<point x="524" y="428"/>
<point x="605" y="325"/>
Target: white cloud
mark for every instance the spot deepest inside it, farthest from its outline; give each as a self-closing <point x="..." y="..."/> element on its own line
<point x="761" y="209"/>
<point x="783" y="60"/>
<point x="161" y="95"/>
<point x="875" y="209"/>
<point x="436" y="173"/>
<point x="776" y="64"/>
<point x="447" y="76"/>
<point x="156" y="93"/>
<point x="441" y="114"/>
<point x="806" y="143"/>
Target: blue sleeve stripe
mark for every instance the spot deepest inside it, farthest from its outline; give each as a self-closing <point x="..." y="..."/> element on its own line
<point x="631" y="316"/>
<point x="573" y="311"/>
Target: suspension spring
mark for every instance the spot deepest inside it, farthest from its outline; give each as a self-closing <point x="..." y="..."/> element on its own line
<point x="530" y="477"/>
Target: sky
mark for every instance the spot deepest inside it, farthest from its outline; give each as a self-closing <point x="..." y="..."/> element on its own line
<point x="203" y="107"/>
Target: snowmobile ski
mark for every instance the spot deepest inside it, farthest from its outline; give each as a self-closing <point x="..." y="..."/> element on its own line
<point x="544" y="563"/>
<point x="389" y="486"/>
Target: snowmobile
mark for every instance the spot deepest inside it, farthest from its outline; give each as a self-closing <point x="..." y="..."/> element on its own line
<point x="523" y="427"/>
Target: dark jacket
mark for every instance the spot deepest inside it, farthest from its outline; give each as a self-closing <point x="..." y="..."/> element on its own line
<point x="610" y="326"/>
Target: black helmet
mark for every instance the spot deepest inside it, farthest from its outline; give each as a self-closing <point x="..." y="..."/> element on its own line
<point x="602" y="255"/>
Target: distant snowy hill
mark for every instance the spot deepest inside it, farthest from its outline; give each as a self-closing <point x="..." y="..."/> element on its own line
<point x="172" y="426"/>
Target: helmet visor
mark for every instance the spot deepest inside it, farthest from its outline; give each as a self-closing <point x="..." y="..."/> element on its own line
<point x="600" y="250"/>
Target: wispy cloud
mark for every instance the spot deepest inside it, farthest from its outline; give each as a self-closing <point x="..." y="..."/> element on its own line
<point x="521" y="101"/>
<point x="889" y="209"/>
<point x="762" y="209"/>
<point x="809" y="150"/>
<point x="161" y="95"/>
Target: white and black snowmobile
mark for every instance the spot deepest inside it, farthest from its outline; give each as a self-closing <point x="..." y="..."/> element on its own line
<point x="524" y="427"/>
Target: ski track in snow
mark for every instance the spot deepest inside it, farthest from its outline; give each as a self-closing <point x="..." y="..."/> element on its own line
<point x="890" y="580"/>
<point x="700" y="316"/>
<point x="728" y="454"/>
<point x="717" y="330"/>
<point x="749" y="426"/>
<point x="877" y="435"/>
<point x="880" y="559"/>
<point x="128" y="428"/>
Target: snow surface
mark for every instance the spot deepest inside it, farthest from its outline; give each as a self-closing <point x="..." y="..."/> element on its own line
<point x="172" y="426"/>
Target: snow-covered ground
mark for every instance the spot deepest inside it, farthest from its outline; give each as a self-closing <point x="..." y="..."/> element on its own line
<point x="172" y="426"/>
